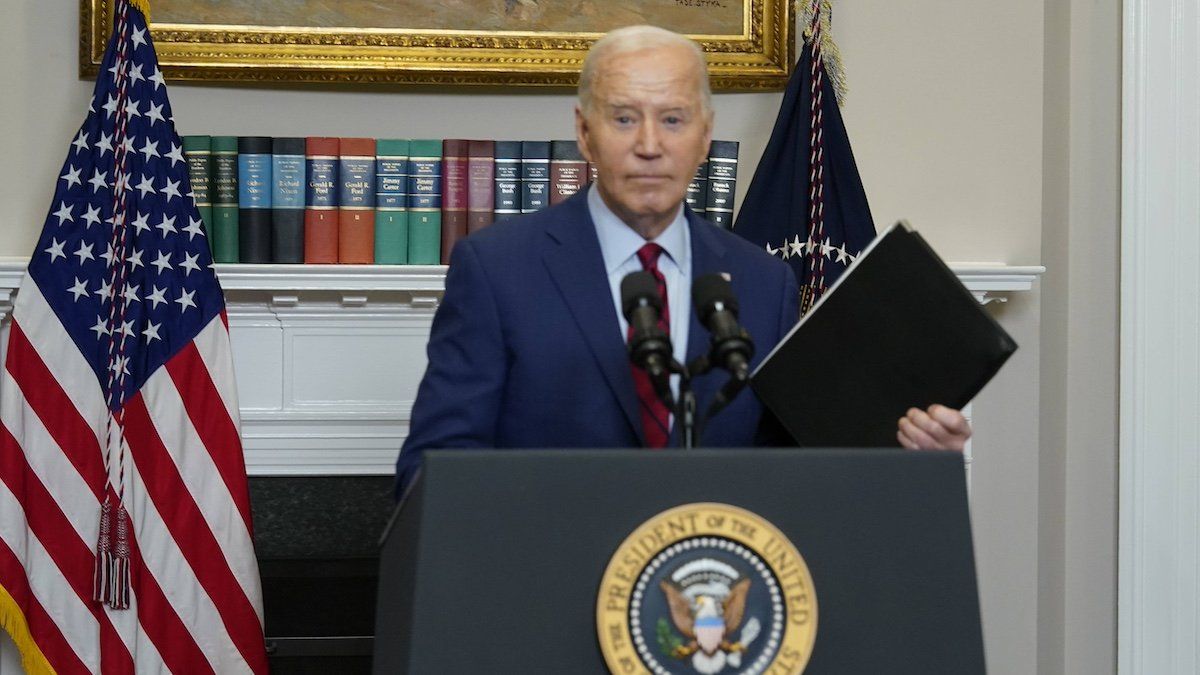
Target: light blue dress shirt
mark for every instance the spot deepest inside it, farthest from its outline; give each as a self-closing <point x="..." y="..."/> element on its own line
<point x="619" y="245"/>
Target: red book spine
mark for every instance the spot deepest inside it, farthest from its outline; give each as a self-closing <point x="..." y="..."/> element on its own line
<point x="568" y="171"/>
<point x="566" y="178"/>
<point x="321" y="200"/>
<point x="356" y="222"/>
<point x="454" y="194"/>
<point x="481" y="193"/>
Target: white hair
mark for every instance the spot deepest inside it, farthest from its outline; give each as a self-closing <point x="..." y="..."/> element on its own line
<point x="633" y="39"/>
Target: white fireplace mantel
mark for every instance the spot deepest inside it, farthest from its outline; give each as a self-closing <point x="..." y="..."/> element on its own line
<point x="328" y="357"/>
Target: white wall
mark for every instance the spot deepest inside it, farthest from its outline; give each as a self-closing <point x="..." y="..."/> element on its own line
<point x="945" y="113"/>
<point x="1078" y="481"/>
<point x="955" y="127"/>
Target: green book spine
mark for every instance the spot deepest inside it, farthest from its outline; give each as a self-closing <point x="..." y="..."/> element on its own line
<point x="425" y="202"/>
<point x="224" y="231"/>
<point x="198" y="151"/>
<point x="425" y="238"/>
<point x="391" y="201"/>
<point x="391" y="237"/>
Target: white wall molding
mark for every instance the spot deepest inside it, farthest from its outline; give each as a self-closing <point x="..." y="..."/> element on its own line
<point x="1159" y="491"/>
<point x="421" y="285"/>
<point x="328" y="357"/>
<point x="991" y="282"/>
<point x="11" y="271"/>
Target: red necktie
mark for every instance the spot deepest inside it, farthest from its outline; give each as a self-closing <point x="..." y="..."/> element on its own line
<point x="655" y="415"/>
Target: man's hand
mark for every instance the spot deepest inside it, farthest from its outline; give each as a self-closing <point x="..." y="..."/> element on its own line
<point x="938" y="428"/>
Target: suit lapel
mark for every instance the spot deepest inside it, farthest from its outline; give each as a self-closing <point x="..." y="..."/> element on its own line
<point x="576" y="265"/>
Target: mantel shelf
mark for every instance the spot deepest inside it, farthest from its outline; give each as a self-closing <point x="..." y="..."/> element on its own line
<point x="977" y="277"/>
<point x="328" y="357"/>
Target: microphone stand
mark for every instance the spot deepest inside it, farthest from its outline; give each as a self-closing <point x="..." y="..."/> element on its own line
<point x="724" y="396"/>
<point x="683" y="407"/>
<point x="685" y="411"/>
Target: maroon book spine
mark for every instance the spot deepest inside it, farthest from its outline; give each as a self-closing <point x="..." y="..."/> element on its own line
<point x="481" y="193"/>
<point x="454" y="194"/>
<point x="568" y="171"/>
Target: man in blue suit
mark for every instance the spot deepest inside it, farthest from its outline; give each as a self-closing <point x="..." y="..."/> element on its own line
<point x="528" y="346"/>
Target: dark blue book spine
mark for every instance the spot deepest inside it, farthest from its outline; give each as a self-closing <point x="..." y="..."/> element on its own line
<point x="254" y="198"/>
<point x="287" y="200"/>
<point x="722" y="182"/>
<point x="535" y="175"/>
<point x="508" y="179"/>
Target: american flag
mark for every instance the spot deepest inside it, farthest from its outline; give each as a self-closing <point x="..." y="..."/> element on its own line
<point x="118" y="398"/>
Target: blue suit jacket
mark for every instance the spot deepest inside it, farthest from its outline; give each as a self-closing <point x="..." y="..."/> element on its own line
<point x="526" y="351"/>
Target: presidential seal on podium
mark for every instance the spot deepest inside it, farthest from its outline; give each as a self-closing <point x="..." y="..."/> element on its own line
<point x="706" y="588"/>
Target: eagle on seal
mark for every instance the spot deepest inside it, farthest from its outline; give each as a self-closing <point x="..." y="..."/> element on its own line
<point x="706" y="623"/>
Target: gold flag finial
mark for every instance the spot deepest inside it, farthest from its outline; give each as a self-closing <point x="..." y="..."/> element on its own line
<point x="829" y="49"/>
<point x="142" y="6"/>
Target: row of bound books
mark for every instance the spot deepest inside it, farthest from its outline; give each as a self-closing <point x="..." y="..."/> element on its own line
<point x="392" y="201"/>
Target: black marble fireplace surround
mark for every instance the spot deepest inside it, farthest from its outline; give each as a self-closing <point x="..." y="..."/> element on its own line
<point x="317" y="541"/>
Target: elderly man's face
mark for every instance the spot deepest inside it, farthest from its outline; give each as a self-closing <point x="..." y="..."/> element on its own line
<point x="647" y="131"/>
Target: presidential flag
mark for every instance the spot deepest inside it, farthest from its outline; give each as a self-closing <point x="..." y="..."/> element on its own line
<point x="125" y="532"/>
<point x="806" y="202"/>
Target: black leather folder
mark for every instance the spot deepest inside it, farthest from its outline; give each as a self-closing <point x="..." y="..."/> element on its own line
<point x="897" y="330"/>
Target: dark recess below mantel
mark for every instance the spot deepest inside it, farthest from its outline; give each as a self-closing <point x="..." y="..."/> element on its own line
<point x="316" y="538"/>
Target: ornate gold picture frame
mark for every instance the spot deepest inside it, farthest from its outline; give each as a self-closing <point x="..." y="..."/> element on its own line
<point x="749" y="43"/>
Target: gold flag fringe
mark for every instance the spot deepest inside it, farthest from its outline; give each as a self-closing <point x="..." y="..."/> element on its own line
<point x="12" y="620"/>
<point x="829" y="49"/>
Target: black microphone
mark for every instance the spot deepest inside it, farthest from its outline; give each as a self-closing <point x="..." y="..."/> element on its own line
<point x="731" y="346"/>
<point x="649" y="345"/>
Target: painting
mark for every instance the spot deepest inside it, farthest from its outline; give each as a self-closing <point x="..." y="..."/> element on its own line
<point x="749" y="44"/>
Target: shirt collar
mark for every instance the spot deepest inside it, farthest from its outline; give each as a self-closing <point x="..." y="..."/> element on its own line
<point x="619" y="242"/>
